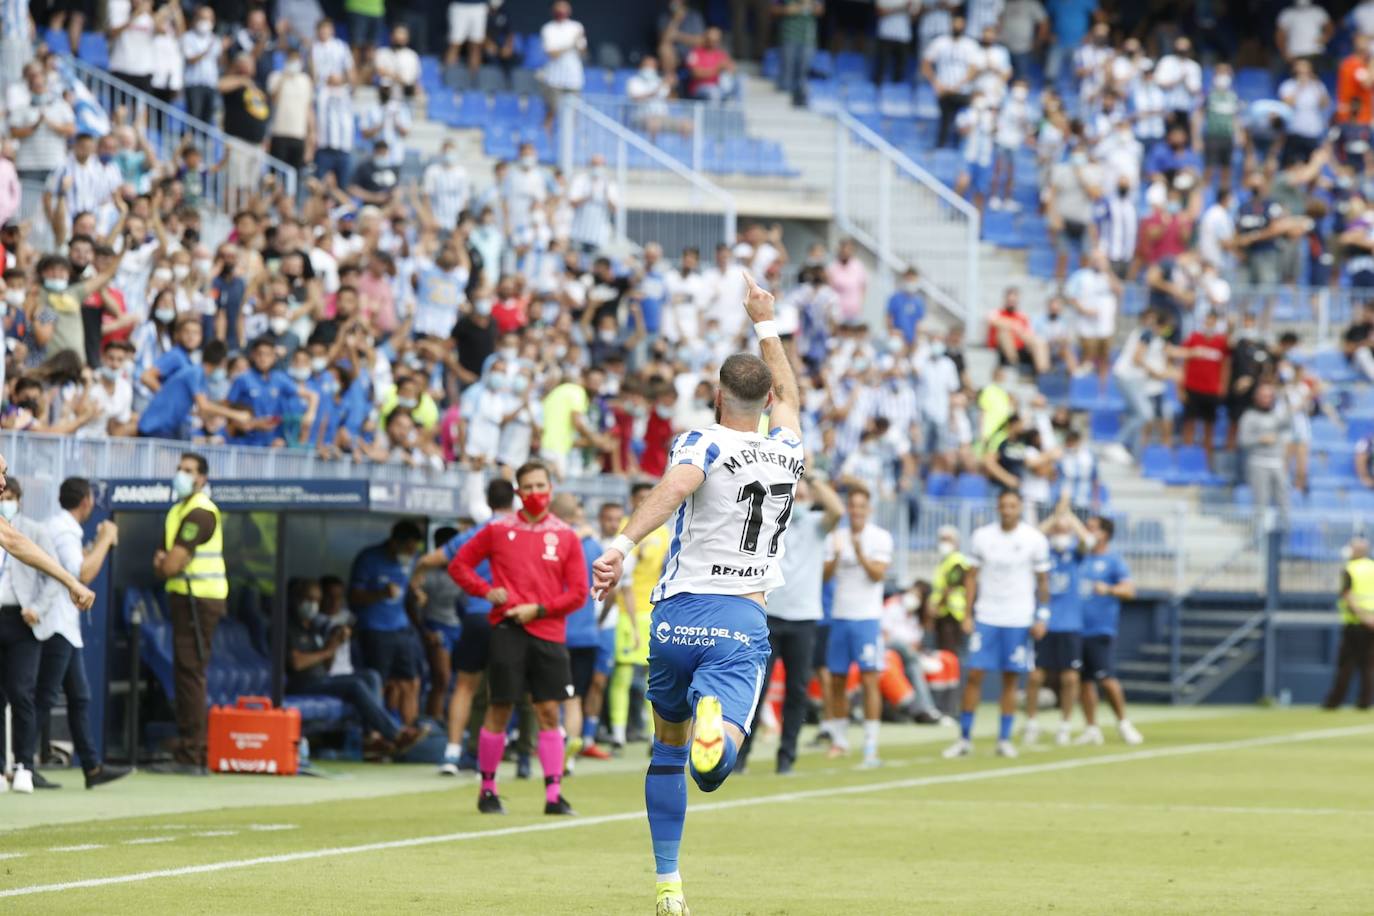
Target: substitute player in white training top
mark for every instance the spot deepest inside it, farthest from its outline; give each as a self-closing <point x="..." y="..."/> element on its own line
<point x="728" y="492"/>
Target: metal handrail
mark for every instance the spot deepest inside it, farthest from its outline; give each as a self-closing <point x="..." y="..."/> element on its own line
<point x="206" y="136"/>
<point x="881" y="247"/>
<point x="1177" y="677"/>
<point x="575" y="107"/>
<point x="1213" y="655"/>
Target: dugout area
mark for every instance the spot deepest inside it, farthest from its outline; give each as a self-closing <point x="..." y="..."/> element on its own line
<point x="274" y="531"/>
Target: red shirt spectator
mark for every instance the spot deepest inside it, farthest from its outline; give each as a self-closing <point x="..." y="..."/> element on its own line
<point x="1163" y="235"/>
<point x="510" y="314"/>
<point x="536" y="562"/>
<point x="116" y="299"/>
<point x="624" y="460"/>
<point x="1017" y="318"/>
<point x="1203" y="374"/>
<point x="1355" y="90"/>
<point x="658" y="437"/>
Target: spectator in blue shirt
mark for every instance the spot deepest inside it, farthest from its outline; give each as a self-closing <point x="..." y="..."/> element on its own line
<point x="1106" y="582"/>
<point x="187" y="335"/>
<point x="1172" y="155"/>
<point x="227" y="289"/>
<point x="263" y="392"/>
<point x="583" y="633"/>
<point x="906" y="307"/>
<point x="377" y="589"/>
<point x="168" y="415"/>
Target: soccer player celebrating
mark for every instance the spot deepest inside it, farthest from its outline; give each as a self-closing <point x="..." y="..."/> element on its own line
<point x="539" y="577"/>
<point x="729" y="490"/>
<point x="857" y="557"/>
<point x="1009" y="592"/>
<point x="1060" y="653"/>
<point x="1106" y="582"/>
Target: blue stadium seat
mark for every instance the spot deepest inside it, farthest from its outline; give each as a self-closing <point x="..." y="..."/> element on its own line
<point x="1242" y="496"/>
<point x="1324" y="432"/>
<point x="534" y="52"/>
<point x="505" y="106"/>
<point x="771" y="65"/>
<point x="596" y="81"/>
<point x="1041" y="262"/>
<point x="895" y="100"/>
<point x="1106" y="425"/>
<point x="822" y="65"/>
<point x="971" y="486"/>
<point x="474" y="110"/>
<point x="1190" y="468"/>
<point x="1156" y="463"/>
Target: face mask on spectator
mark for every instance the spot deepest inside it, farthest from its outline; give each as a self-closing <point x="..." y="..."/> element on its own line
<point x="482" y="306"/>
<point x="608" y="336"/>
<point x="519" y="384"/>
<point x="559" y="352"/>
<point x="450" y="157"/>
<point x="109" y="373"/>
<point x="1061" y="542"/>
<point x="406" y="403"/>
<point x="319" y="364"/>
<point x="162" y="275"/>
<point x="664" y="411"/>
<point x="299" y="373"/>
<point x="55" y="284"/>
<point x="14" y="298"/>
<point x="165" y="315"/>
<point x="181" y="271"/>
<point x="1222" y="81"/>
<point x="937" y="348"/>
<point x="204" y="266"/>
<point x="947" y="547"/>
<point x="509" y="354"/>
<point x="220" y="375"/>
<point x="182" y="485"/>
<point x="293" y="66"/>
<point x="497" y="383"/>
<point x="911" y="286"/>
<point x="308" y="610"/>
<point x="279" y="325"/>
<point x="204" y="26"/>
<point x="528" y="162"/>
<point x="9" y="508"/>
<point x="1020" y="93"/>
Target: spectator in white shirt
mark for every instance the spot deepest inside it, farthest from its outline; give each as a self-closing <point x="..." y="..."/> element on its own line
<point x="1216" y="230"/>
<point x="169" y="68"/>
<point x="565" y="41"/>
<point x="293" y="112"/>
<point x="650" y="91"/>
<point x="109" y="399"/>
<point x="949" y="64"/>
<point x="1307" y="97"/>
<point x="1093" y="292"/>
<point x="1013" y="133"/>
<point x="389" y="120"/>
<point x="200" y="49"/>
<point x="398" y="66"/>
<point x="995" y="70"/>
<point x="129" y="31"/>
<point x="1303" y="31"/>
<point x="331" y="63"/>
<point x="447" y="187"/>
<point x="42" y="127"/>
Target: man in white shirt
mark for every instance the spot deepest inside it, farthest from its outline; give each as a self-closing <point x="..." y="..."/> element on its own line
<point x="565" y="41"/>
<point x="398" y="66"/>
<point x="937" y="379"/>
<point x="794" y="609"/>
<point x="1215" y="232"/>
<point x="293" y="113"/>
<point x="689" y="295"/>
<point x="110" y="398"/>
<point x="58" y="626"/>
<point x="1008" y="589"/>
<point x="856" y="557"/>
<point x="949" y="63"/>
<point x="447" y="186"/>
<point x="200" y="51"/>
<point x="42" y="126"/>
<point x="1093" y="292"/>
<point x="1303" y="31"/>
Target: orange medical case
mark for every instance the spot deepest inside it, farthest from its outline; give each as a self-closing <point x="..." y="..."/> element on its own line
<point x="253" y="737"/>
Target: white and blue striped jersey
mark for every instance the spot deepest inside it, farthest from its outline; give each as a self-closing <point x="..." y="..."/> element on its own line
<point x="335" y="122"/>
<point x="727" y="537"/>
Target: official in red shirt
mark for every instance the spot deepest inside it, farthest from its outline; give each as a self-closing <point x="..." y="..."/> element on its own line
<point x="539" y="577"/>
<point x="1204" y="380"/>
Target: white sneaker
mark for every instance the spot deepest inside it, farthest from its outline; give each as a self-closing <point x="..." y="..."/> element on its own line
<point x="961" y="748"/>
<point x="1092" y="735"/>
<point x="1007" y="749"/>
<point x="1129" y="734"/>
<point x="995" y="204"/>
<point x="1119" y="453"/>
<point x="1030" y="735"/>
<point x="4" y="783"/>
<point x="1064" y="736"/>
<point x="1011" y="206"/>
<point x="23" y="781"/>
<point x="871" y="762"/>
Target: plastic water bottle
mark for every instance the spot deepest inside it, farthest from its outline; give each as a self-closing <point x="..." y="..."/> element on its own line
<point x="1285" y="697"/>
<point x="303" y="754"/>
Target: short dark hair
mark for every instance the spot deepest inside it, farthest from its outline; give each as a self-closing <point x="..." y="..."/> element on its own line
<point x="1107" y="525"/>
<point x="118" y="345"/>
<point x="858" y="489"/>
<point x="1005" y="493"/>
<point x="73" y="492"/>
<point x="443" y="535"/>
<point x="746" y="379"/>
<point x="500" y="494"/>
<point x="202" y="466"/>
<point x="215" y="352"/>
<point x="331" y="582"/>
<point x="12" y="487"/>
<point x="263" y="341"/>
<point x="406" y="530"/>
<point x="530" y="467"/>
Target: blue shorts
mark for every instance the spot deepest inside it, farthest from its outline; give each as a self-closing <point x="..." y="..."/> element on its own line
<point x="979" y="177"/>
<point x="707" y="645"/>
<point x="854" y="641"/>
<point x="1099" y="657"/>
<point x="447" y="632"/>
<point x="1061" y="651"/>
<point x="1000" y="648"/>
<point x="605" y="651"/>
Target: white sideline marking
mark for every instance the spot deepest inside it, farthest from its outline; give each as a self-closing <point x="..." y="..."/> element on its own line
<point x="149" y="840"/>
<point x="215" y="833"/>
<point x="83" y="847"/>
<point x="831" y="792"/>
<point x="268" y="828"/>
<point x="12" y="855"/>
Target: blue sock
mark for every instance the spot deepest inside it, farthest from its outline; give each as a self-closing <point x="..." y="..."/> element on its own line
<point x="965" y="725"/>
<point x="665" y="798"/>
<point x="711" y="781"/>
<point x="1004" y="728"/>
<point x="589" y="727"/>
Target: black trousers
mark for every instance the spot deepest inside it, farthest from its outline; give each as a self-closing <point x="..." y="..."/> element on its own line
<point x="792" y="642"/>
<point x="20" y="655"/>
<point x="1356" y="655"/>
<point x="950" y="106"/>
<point x="889" y="64"/>
<point x="62" y="672"/>
<point x="200" y="102"/>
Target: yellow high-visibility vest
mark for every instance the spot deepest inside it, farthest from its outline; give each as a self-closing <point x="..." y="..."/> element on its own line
<point x="955" y="594"/>
<point x="205" y="574"/>
<point x="1361" y="573"/>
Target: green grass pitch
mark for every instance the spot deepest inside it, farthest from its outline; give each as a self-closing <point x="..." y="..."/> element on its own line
<point x="1222" y="810"/>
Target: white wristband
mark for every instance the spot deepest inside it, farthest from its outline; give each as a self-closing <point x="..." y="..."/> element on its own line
<point x="623" y="544"/>
<point x="766" y="329"/>
<point x="1042" y="615"/>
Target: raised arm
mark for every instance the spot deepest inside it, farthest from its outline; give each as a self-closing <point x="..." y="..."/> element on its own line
<point x="786" y="409"/>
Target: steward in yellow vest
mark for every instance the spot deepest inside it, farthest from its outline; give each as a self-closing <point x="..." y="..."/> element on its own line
<point x="948" y="594"/>
<point x="1356" y="653"/>
<point x="192" y="564"/>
